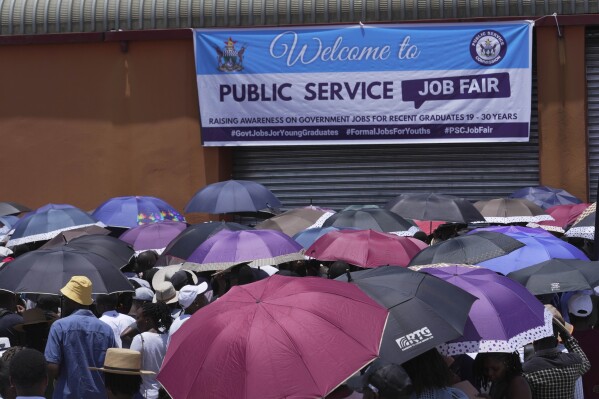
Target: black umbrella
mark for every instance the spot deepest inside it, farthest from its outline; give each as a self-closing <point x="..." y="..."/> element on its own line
<point x="424" y="311"/>
<point x="46" y="271"/>
<point x="440" y="207"/>
<point x="232" y="196"/>
<point x="117" y="252"/>
<point x="470" y="249"/>
<point x="192" y="237"/>
<point x="12" y="208"/>
<point x="374" y="219"/>
<point x="558" y="275"/>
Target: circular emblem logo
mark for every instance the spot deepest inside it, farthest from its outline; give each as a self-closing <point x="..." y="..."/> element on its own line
<point x="488" y="47"/>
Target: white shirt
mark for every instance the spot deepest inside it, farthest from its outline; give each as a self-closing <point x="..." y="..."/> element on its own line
<point x="118" y="322"/>
<point x="153" y="349"/>
<point x="177" y="323"/>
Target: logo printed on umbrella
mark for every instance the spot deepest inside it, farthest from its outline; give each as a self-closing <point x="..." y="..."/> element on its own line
<point x="555" y="286"/>
<point x="416" y="338"/>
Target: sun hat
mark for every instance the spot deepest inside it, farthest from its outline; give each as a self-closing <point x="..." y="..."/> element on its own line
<point x="166" y="273"/>
<point x="143" y="294"/>
<point x="78" y="289"/>
<point x="189" y="293"/>
<point x="580" y="305"/>
<point x="122" y="361"/>
<point x="32" y="316"/>
<point x="165" y="292"/>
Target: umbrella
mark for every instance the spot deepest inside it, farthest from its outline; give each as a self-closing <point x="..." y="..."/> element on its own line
<point x="563" y="215"/>
<point x="360" y="207"/>
<point x="47" y="222"/>
<point x="558" y="275"/>
<point x="154" y="236"/>
<point x="46" y="271"/>
<point x="12" y="208"/>
<point x="504" y="318"/>
<point x="183" y="245"/>
<point x="134" y="211"/>
<point x="375" y="219"/>
<point x="232" y="196"/>
<point x="365" y="248"/>
<point x="428" y="226"/>
<point x="539" y="245"/>
<point x="64" y="237"/>
<point x="545" y="196"/>
<point x="7" y="223"/>
<point x="511" y="210"/>
<point x="424" y="311"/>
<point x="308" y="237"/>
<point x="469" y="249"/>
<point x="229" y="248"/>
<point x="295" y="220"/>
<point x="437" y="207"/>
<point x="117" y="252"/>
<point x="281" y="337"/>
<point x="584" y="226"/>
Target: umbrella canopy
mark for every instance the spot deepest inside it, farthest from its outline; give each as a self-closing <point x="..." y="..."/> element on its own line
<point x="504" y="318"/>
<point x="438" y="207"/>
<point x="308" y="237"/>
<point x="7" y="223"/>
<point x="545" y="196"/>
<point x="183" y="245"/>
<point x="66" y="236"/>
<point x="511" y="210"/>
<point x="232" y="196"/>
<point x="229" y="248"/>
<point x="428" y="226"/>
<point x="281" y="337"/>
<point x="133" y="211"/>
<point x="365" y="248"/>
<point x="584" y="226"/>
<point x="421" y="316"/>
<point x="360" y="207"/>
<point x="12" y="208"/>
<point x="154" y="236"/>
<point x="468" y="249"/>
<point x="374" y="219"/>
<point x="539" y="245"/>
<point x="47" y="222"/>
<point x="295" y="220"/>
<point x="46" y="271"/>
<point x="117" y="252"/>
<point x="558" y="275"/>
<point x="563" y="215"/>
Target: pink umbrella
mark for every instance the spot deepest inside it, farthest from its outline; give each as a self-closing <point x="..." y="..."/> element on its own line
<point x="365" y="248"/>
<point x="282" y="337"/>
<point x="154" y="236"/>
<point x="564" y="216"/>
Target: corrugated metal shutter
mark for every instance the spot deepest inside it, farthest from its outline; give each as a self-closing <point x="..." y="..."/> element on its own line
<point x="336" y="176"/>
<point x="592" y="63"/>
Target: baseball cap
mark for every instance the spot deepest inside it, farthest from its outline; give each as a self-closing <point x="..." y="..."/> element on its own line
<point x="189" y="293"/>
<point x="143" y="294"/>
<point x="580" y="305"/>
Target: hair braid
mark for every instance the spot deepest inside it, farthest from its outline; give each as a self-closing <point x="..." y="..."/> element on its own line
<point x="160" y="315"/>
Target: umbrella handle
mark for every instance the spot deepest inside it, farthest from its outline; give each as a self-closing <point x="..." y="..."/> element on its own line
<point x="349" y="279"/>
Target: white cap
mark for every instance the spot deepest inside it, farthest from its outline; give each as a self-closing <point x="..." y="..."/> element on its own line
<point x="189" y="293"/>
<point x="580" y="305"/>
<point x="143" y="294"/>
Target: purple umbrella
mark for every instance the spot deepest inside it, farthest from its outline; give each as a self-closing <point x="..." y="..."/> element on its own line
<point x="539" y="246"/>
<point x="134" y="211"/>
<point x="258" y="247"/>
<point x="504" y="318"/>
<point x="155" y="236"/>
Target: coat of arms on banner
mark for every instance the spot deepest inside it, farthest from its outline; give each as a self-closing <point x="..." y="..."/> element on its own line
<point x="229" y="58"/>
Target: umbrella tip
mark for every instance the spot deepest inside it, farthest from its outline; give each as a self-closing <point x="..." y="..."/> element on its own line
<point x="349" y="279"/>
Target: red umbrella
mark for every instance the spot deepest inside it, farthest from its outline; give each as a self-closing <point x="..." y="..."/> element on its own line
<point x="365" y="248"/>
<point x="281" y="337"/>
<point x="564" y="215"/>
<point x="428" y="226"/>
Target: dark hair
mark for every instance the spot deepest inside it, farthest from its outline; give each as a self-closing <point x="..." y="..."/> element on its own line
<point x="391" y="381"/>
<point x="338" y="268"/>
<point x="510" y="360"/>
<point x="145" y="261"/>
<point x="160" y="314"/>
<point x="27" y="369"/>
<point x="428" y="370"/>
<point x="122" y="383"/>
<point x="107" y="300"/>
<point x="10" y="353"/>
<point x="4" y="379"/>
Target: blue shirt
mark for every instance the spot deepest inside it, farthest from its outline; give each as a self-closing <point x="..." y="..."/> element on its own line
<point x="76" y="343"/>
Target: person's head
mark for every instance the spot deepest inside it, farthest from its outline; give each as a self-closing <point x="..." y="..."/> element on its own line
<point x="155" y="316"/>
<point x="145" y="261"/>
<point x="28" y="373"/>
<point x="8" y="301"/>
<point x="124" y="302"/>
<point x="496" y="367"/>
<point x="388" y="382"/>
<point x="122" y="373"/>
<point x="337" y="269"/>
<point x="438" y="374"/>
<point x="48" y="303"/>
<point x="191" y="297"/>
<point x="77" y="294"/>
<point x="6" y="391"/>
<point x="106" y="302"/>
<point x="36" y="328"/>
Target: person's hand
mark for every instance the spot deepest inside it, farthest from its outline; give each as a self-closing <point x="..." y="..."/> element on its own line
<point x="20" y="309"/>
<point x="561" y="329"/>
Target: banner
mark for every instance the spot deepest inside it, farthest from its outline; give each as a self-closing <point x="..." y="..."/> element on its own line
<point x="361" y="84"/>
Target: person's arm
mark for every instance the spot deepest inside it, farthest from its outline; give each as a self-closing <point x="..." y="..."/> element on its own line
<point x="53" y="353"/>
<point x="53" y="371"/>
<point x="519" y="388"/>
<point x="572" y="345"/>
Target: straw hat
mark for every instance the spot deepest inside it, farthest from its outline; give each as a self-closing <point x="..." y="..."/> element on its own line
<point x="167" y="273"/>
<point x="79" y="289"/>
<point x="165" y="292"/>
<point x="32" y="316"/>
<point x="122" y="361"/>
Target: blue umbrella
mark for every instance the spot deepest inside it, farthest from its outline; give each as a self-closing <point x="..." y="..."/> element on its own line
<point x="134" y="211"/>
<point x="539" y="246"/>
<point x="47" y="222"/>
<point x="7" y="223"/>
<point x="232" y="196"/>
<point x="308" y="237"/>
<point x="545" y="196"/>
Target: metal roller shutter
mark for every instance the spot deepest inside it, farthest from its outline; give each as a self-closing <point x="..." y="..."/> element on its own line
<point x="338" y="176"/>
<point x="592" y="64"/>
